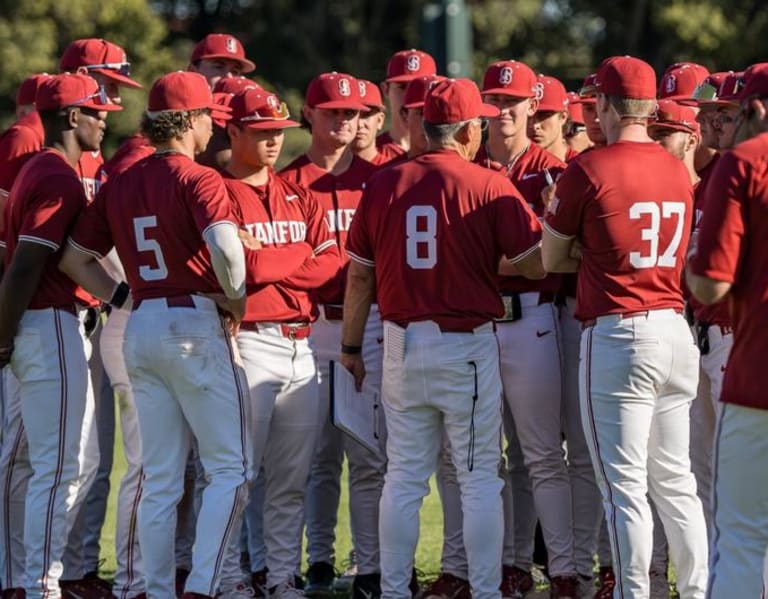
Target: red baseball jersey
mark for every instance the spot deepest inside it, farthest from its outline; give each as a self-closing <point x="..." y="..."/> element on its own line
<point x="527" y="173"/>
<point x="570" y="154"/>
<point x="44" y="203"/>
<point x="287" y="221"/>
<point x="732" y="248"/>
<point x="339" y="196"/>
<point x="387" y="146"/>
<point x="631" y="207"/>
<point x="155" y="214"/>
<point x="90" y="169"/>
<point x="434" y="228"/>
<point x="18" y="144"/>
<point x="129" y="153"/>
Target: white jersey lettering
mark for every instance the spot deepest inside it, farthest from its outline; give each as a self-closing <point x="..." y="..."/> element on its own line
<point x="340" y="220"/>
<point x="278" y="232"/>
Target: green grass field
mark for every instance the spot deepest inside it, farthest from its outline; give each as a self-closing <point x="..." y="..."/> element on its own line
<point x="427" y="557"/>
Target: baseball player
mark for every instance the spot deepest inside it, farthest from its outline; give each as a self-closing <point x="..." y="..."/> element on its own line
<point x="219" y="55"/>
<point x="576" y="129"/>
<point x="176" y="245"/>
<point x="369" y="124"/>
<point x="639" y="366"/>
<point x="731" y="263"/>
<point x="447" y="224"/>
<point x="529" y="338"/>
<point x="336" y="177"/>
<point x="274" y="335"/>
<point x="39" y="304"/>
<point x="547" y="126"/>
<point x="413" y="110"/>
<point x="401" y="68"/>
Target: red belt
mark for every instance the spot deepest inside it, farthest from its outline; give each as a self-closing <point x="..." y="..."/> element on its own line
<point x="590" y="322"/>
<point x="177" y="301"/>
<point x="290" y="330"/>
<point x="332" y="312"/>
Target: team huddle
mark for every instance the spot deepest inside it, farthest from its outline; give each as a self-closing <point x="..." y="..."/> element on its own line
<point x="557" y="299"/>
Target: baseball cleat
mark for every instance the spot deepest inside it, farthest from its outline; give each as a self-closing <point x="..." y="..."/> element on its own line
<point x="516" y="583"/>
<point x="448" y="586"/>
<point x="320" y="577"/>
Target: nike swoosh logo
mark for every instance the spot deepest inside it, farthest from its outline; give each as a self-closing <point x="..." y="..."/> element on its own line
<point x="290" y="198"/>
<point x="542" y="333"/>
<point x="529" y="176"/>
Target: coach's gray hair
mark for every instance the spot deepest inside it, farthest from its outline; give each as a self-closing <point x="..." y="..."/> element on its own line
<point x="443" y="134"/>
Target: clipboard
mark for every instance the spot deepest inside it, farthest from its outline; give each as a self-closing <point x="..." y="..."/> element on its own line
<point x="355" y="413"/>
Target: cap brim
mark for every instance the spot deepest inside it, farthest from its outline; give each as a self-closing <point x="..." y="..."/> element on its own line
<point x="587" y="100"/>
<point x="248" y="66"/>
<point x="401" y="78"/>
<point x="220" y="112"/>
<point x="488" y="111"/>
<point x="341" y="105"/>
<point x="118" y="78"/>
<point x="551" y="108"/>
<point x="414" y="105"/>
<point x="101" y="107"/>
<point x="286" y="124"/>
<point x="373" y="106"/>
<point x="505" y="91"/>
<point x="672" y="127"/>
<point x="691" y="102"/>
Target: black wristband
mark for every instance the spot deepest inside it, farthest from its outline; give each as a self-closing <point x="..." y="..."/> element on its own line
<point x="120" y="295"/>
<point x="351" y="349"/>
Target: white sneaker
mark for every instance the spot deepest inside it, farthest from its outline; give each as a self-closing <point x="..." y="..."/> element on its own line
<point x="286" y="590"/>
<point x="659" y="585"/>
<point x="241" y="591"/>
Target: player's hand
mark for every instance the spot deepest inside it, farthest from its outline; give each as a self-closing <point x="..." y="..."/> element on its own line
<point x="248" y="240"/>
<point x="233" y="309"/>
<point x="354" y="363"/>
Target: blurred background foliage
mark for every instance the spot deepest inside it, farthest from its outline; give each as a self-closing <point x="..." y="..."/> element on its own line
<point x="292" y="40"/>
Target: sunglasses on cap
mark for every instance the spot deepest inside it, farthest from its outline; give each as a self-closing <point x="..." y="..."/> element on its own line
<point x="572" y="129"/>
<point x="123" y="68"/>
<point x="280" y="113"/>
<point x="100" y="95"/>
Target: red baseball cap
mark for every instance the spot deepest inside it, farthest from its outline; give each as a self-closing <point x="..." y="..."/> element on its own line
<point x="370" y="95"/>
<point x="72" y="89"/>
<point x="755" y="82"/>
<point x="681" y="79"/>
<point x="99" y="56"/>
<point x="674" y="116"/>
<point x="552" y="95"/>
<point x="707" y="91"/>
<point x="626" y="77"/>
<point x="729" y="91"/>
<point x="184" y="90"/>
<point x="454" y="101"/>
<point x="28" y="89"/>
<point x="416" y="92"/>
<point x="587" y="91"/>
<point x="222" y="45"/>
<point x="334" y="90"/>
<point x="407" y="64"/>
<point x="510" y="78"/>
<point x="575" y="112"/>
<point x="260" y="109"/>
<point x="234" y="85"/>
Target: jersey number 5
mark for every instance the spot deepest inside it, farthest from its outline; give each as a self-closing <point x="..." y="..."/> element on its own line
<point x="143" y="244"/>
<point x="668" y="257"/>
<point x="420" y="237"/>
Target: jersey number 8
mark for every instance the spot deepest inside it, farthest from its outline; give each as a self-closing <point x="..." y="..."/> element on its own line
<point x="668" y="257"/>
<point x="421" y="237"/>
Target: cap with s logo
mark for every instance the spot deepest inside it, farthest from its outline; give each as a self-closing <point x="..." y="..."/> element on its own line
<point x="553" y="97"/>
<point x="680" y="80"/>
<point x="334" y="91"/>
<point x="259" y="109"/>
<point x="408" y="64"/>
<point x="510" y="78"/>
<point x="222" y="45"/>
<point x="370" y="95"/>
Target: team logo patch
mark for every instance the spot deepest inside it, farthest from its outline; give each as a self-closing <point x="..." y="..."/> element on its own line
<point x="505" y="76"/>
<point x="231" y="45"/>
<point x="272" y="102"/>
<point x="344" y="87"/>
<point x="538" y="90"/>
<point x="671" y="84"/>
<point x="361" y="87"/>
<point x="413" y="63"/>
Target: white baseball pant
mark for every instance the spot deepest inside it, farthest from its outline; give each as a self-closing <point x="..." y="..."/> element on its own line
<point x="453" y="559"/>
<point x="187" y="510"/>
<point x="254" y="523"/>
<point x="638" y="377"/>
<point x="531" y="375"/>
<point x="51" y="366"/>
<point x="285" y="403"/>
<point x="15" y="472"/>
<point x="435" y="382"/>
<point x="129" y="575"/>
<point x="366" y="469"/>
<point x="704" y="413"/>
<point x="585" y="495"/>
<point x="187" y="381"/>
<point x="740" y="501"/>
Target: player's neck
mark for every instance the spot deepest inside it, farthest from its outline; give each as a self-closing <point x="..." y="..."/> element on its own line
<point x="633" y="132"/>
<point x="368" y="153"/>
<point x="689" y="166"/>
<point x="255" y="176"/>
<point x="704" y="155"/>
<point x="334" y="160"/>
<point x="398" y="131"/>
<point x="507" y="149"/>
<point x="67" y="146"/>
<point x="558" y="148"/>
<point x="185" y="146"/>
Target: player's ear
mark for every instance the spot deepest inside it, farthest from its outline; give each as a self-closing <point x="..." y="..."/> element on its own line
<point x="533" y="106"/>
<point x="72" y="117"/>
<point x="694" y="139"/>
